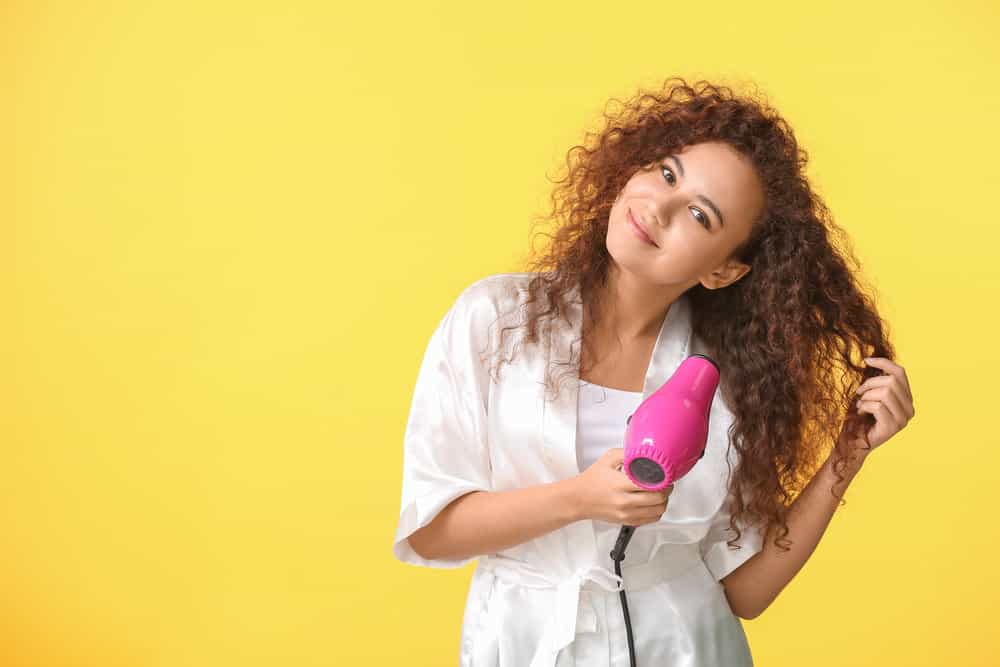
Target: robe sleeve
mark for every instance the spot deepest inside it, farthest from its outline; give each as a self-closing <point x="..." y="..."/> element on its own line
<point x="715" y="551"/>
<point x="445" y="451"/>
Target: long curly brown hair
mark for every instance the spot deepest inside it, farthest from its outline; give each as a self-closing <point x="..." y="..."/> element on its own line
<point x="792" y="334"/>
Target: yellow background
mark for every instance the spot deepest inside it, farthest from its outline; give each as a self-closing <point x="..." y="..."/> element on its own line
<point x="230" y="227"/>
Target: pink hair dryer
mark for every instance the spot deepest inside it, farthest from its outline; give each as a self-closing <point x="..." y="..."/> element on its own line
<point x="667" y="433"/>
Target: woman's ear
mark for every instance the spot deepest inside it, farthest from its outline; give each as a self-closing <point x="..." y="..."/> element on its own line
<point x="726" y="275"/>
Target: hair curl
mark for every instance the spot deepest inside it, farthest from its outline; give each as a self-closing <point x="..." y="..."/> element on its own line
<point x="791" y="334"/>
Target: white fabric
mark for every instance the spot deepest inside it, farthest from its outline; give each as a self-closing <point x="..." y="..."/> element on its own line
<point x="601" y="420"/>
<point x="553" y="600"/>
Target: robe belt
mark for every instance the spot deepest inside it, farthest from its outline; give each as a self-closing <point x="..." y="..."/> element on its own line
<point x="569" y="616"/>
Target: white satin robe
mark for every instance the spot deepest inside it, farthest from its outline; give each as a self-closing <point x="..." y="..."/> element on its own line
<point x="553" y="600"/>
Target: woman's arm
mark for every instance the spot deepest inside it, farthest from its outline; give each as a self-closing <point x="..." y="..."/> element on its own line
<point x="752" y="586"/>
<point x="484" y="522"/>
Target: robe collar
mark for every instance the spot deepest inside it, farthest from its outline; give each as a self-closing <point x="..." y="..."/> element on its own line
<point x="559" y="417"/>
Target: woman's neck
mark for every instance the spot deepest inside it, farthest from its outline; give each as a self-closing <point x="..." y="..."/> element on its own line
<point x="632" y="309"/>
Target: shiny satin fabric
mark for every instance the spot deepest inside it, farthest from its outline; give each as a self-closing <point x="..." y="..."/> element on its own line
<point x="553" y="600"/>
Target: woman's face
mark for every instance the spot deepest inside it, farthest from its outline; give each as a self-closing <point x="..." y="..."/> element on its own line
<point x="696" y="205"/>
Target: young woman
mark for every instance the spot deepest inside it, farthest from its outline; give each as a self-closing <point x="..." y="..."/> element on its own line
<point x="688" y="226"/>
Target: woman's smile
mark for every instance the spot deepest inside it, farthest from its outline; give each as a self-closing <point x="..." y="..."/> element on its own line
<point x="637" y="228"/>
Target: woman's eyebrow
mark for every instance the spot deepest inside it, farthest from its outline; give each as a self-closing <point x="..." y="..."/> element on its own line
<point x="708" y="202"/>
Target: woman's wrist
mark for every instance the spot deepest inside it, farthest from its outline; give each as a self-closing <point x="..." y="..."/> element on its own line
<point x="854" y="459"/>
<point x="568" y="498"/>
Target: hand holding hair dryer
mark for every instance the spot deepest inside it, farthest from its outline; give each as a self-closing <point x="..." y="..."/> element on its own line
<point x="667" y="433"/>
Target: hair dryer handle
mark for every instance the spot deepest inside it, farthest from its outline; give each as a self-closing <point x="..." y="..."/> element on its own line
<point x="624" y="535"/>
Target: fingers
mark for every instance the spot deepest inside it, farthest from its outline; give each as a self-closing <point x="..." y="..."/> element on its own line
<point x="651" y="513"/>
<point x="616" y="456"/>
<point x="640" y="506"/>
<point x="894" y="371"/>
<point x="628" y="485"/>
<point x="634" y="515"/>
<point x="644" y="498"/>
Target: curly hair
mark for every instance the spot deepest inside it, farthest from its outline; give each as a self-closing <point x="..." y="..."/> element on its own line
<point x="792" y="334"/>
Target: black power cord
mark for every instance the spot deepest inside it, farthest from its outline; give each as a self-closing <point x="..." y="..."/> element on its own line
<point x="617" y="555"/>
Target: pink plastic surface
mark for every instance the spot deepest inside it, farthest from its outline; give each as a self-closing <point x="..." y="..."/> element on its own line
<point x="670" y="427"/>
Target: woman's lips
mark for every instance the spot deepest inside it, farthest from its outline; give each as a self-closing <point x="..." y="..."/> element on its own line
<point x="637" y="228"/>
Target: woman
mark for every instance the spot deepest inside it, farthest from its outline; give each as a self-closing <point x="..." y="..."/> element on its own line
<point x="688" y="227"/>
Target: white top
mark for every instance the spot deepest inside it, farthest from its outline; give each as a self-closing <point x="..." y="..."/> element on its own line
<point x="553" y="600"/>
<point x="601" y="420"/>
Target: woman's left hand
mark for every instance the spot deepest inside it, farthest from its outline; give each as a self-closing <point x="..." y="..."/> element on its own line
<point x="887" y="397"/>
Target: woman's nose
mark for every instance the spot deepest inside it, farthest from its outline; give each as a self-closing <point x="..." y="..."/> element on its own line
<point x="660" y="213"/>
<point x="665" y="207"/>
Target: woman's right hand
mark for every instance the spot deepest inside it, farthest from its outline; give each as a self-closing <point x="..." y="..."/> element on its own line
<point x="606" y="493"/>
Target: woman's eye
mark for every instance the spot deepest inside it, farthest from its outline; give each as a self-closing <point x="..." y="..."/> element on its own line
<point x="703" y="219"/>
<point x="667" y="169"/>
<point x="699" y="216"/>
